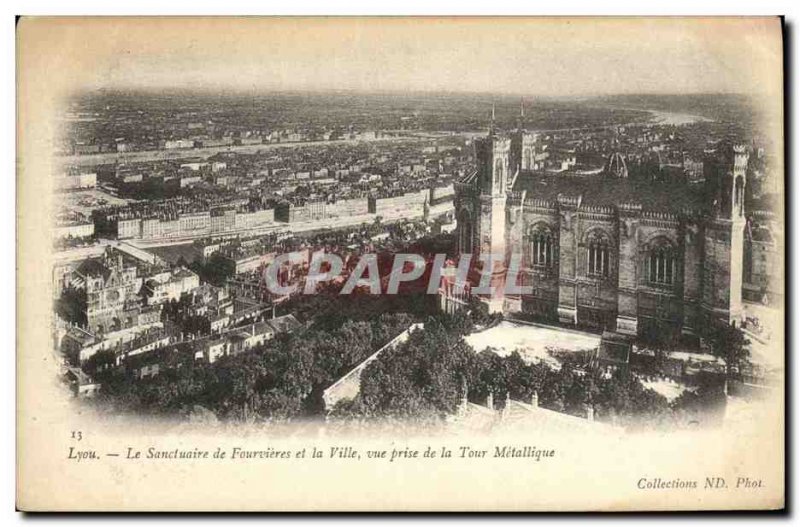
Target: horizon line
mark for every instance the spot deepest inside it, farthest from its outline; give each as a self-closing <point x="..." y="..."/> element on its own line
<point x="232" y="90"/>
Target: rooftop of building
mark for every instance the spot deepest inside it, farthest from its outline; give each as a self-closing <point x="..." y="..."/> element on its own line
<point x="94" y="267"/>
<point x="661" y="196"/>
<point x="250" y="330"/>
<point x="285" y="323"/>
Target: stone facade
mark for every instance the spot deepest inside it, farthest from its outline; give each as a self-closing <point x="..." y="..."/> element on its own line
<point x="112" y="289"/>
<point x="763" y="261"/>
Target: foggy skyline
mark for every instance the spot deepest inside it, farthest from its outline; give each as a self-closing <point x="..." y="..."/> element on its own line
<point x="535" y="57"/>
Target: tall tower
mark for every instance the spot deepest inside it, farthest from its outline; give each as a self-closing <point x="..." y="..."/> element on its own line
<point x="492" y="154"/>
<point x="523" y="145"/>
<point x="724" y="235"/>
<point x="515" y="156"/>
<point x="528" y="151"/>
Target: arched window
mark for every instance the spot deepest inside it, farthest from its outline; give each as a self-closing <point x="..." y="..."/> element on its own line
<point x="739" y="195"/>
<point x="661" y="263"/>
<point x="542" y="247"/>
<point x="526" y="162"/>
<point x="598" y="255"/>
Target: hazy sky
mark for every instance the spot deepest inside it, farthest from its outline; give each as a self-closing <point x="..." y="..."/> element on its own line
<point x="513" y="55"/>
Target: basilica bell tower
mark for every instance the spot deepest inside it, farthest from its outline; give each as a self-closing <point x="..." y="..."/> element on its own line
<point x="726" y="176"/>
<point x="492" y="154"/>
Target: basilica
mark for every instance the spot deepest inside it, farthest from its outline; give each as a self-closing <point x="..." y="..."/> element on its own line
<point x="604" y="250"/>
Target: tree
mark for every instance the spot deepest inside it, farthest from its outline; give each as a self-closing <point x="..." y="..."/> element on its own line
<point x="489" y="376"/>
<point x="479" y="313"/>
<point x="216" y="270"/>
<point x="421" y="377"/>
<point x="706" y="402"/>
<point x="729" y="343"/>
<point x="99" y="363"/>
<point x="71" y="305"/>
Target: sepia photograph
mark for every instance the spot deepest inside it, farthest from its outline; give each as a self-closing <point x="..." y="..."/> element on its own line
<point x="400" y="264"/>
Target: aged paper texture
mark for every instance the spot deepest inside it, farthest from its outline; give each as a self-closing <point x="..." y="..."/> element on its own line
<point x="400" y="264"/>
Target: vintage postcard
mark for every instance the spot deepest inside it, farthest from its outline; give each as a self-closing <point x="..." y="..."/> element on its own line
<point x="400" y="264"/>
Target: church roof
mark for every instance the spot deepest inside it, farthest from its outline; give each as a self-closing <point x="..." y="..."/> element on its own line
<point x="657" y="196"/>
<point x="94" y="267"/>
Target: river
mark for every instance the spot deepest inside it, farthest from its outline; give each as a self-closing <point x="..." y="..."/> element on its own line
<point x="676" y="119"/>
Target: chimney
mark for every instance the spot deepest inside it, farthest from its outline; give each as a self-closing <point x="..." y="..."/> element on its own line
<point x="490" y="401"/>
<point x="535" y="399"/>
